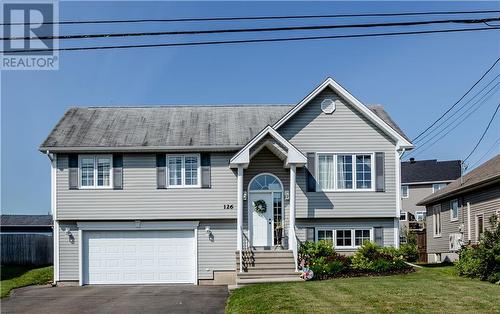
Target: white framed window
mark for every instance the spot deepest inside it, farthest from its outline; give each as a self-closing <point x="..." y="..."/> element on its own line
<point x="326" y="170"/>
<point x="454" y="210"/>
<point x="420" y="215"/>
<point x="350" y="238"/>
<point x="324" y="234"/>
<point x="345" y="172"/>
<point x="95" y="171"/>
<point x="183" y="171"/>
<point x="405" y="191"/>
<point x="403" y="216"/>
<point x="438" y="186"/>
<point x="361" y="236"/>
<point x="436" y="222"/>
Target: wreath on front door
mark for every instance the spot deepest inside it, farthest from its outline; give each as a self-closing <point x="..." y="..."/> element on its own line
<point x="260" y="206"/>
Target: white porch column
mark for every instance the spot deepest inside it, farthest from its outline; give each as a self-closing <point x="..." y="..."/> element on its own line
<point x="239" y="217"/>
<point x="292" y="241"/>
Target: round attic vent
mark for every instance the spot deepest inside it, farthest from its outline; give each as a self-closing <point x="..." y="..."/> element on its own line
<point x="328" y="106"/>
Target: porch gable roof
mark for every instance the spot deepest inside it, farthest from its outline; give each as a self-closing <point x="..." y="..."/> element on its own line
<point x="293" y="155"/>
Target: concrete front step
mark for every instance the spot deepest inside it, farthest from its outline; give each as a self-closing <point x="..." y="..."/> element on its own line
<point x="268" y="273"/>
<point x="268" y="266"/>
<point x="248" y="281"/>
<point x="267" y="253"/>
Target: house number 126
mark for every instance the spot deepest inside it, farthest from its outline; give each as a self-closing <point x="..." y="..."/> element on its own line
<point x="228" y="206"/>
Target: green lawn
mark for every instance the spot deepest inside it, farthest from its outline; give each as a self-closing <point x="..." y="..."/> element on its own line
<point x="428" y="290"/>
<point x="20" y="276"/>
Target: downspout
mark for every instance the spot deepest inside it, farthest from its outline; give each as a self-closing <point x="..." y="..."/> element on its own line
<point x="55" y="223"/>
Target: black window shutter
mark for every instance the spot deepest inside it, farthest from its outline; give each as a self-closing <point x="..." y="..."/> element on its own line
<point x="117" y="171"/>
<point x="310" y="235"/>
<point x="161" y="177"/>
<point x="73" y="171"/>
<point x="205" y="170"/>
<point x="379" y="172"/>
<point x="310" y="170"/>
<point x="379" y="235"/>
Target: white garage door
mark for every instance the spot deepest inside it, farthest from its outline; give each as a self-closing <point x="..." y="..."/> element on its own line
<point x="136" y="257"/>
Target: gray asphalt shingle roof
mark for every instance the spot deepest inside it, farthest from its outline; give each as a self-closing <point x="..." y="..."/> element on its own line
<point x="430" y="171"/>
<point x="229" y="126"/>
<point x="26" y="220"/>
<point x="487" y="173"/>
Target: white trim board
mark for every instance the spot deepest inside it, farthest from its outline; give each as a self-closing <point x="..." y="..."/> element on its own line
<point x="329" y="82"/>
<point x="294" y="156"/>
<point x="138" y="225"/>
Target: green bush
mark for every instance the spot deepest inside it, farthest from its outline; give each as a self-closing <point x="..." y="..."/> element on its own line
<point x="482" y="260"/>
<point x="409" y="252"/>
<point x="321" y="258"/>
<point x="372" y="258"/>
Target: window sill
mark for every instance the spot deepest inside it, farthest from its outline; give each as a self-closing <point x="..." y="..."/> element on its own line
<point x="437" y="236"/>
<point x="95" y="188"/>
<point x="183" y="187"/>
<point x="453" y="219"/>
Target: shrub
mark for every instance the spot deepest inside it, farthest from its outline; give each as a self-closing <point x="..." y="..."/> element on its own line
<point x="409" y="252"/>
<point x="372" y="258"/>
<point x="321" y="258"/>
<point x="483" y="259"/>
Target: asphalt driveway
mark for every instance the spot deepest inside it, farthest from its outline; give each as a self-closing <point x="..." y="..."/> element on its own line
<point x="117" y="299"/>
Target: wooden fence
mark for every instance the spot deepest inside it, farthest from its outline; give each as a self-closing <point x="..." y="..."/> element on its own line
<point x="26" y="249"/>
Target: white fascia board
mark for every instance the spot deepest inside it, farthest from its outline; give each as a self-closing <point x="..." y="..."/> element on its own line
<point x="138" y="225"/>
<point x="243" y="156"/>
<point x="329" y="82"/>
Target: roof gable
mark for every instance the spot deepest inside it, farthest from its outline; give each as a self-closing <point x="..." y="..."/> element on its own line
<point x="371" y="114"/>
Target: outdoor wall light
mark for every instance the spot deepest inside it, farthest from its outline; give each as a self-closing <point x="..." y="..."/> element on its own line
<point x="245" y="195"/>
<point x="67" y="231"/>
<point x="287" y="195"/>
<point x="207" y="229"/>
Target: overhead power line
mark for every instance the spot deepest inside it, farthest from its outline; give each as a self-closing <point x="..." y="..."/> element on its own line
<point x="260" y="29"/>
<point x="466" y="114"/>
<point x="459" y="109"/>
<point x="495" y="144"/>
<point x="244" y="41"/>
<point x="484" y="133"/>
<point x="271" y="17"/>
<point x="456" y="103"/>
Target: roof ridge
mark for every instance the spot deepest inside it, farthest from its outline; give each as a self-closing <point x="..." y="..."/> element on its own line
<point x="177" y="105"/>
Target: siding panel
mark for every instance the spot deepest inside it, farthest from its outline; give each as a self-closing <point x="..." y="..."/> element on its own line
<point x="346" y="130"/>
<point x="216" y="252"/>
<point x="68" y="251"/>
<point x="140" y="198"/>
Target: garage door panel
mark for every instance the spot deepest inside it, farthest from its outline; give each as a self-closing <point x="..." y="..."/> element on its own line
<point x="115" y="257"/>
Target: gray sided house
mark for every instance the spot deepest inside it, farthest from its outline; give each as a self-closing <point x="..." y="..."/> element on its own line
<point x="460" y="212"/>
<point x="420" y="179"/>
<point x="218" y="194"/>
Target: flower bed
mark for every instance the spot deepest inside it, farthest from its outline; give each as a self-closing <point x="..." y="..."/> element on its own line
<point x="369" y="260"/>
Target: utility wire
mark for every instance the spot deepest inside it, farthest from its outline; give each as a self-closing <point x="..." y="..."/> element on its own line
<point x="244" y="41"/>
<point x="481" y="102"/>
<point x="271" y="17"/>
<point x="458" y="110"/>
<point x="456" y="103"/>
<point x="265" y="29"/>
<point x="484" y="133"/>
<point x="487" y="152"/>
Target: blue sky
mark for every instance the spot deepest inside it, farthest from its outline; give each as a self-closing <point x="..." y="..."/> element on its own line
<point x="415" y="77"/>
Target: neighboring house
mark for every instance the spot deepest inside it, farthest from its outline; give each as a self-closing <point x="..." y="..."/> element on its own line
<point x="460" y="212"/>
<point x="420" y="179"/>
<point x="26" y="224"/>
<point x="168" y="194"/>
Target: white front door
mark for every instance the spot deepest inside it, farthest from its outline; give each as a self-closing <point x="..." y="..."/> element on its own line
<point x="138" y="257"/>
<point x="262" y="224"/>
